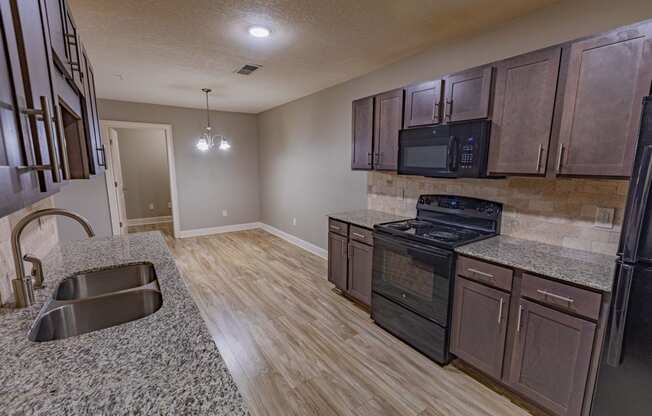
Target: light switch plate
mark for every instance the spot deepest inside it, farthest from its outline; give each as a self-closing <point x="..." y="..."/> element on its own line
<point x="604" y="217"/>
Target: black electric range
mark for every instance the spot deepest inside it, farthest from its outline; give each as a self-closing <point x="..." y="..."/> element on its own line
<point x="414" y="268"/>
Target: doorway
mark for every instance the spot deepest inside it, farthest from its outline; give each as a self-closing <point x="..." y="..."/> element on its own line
<point x="140" y="177"/>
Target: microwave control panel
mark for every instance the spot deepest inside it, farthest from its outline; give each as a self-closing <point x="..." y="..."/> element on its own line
<point x="472" y="148"/>
<point x="467" y="153"/>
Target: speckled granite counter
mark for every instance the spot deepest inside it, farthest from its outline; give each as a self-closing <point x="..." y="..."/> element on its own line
<point x="366" y="217"/>
<point x="575" y="266"/>
<point x="165" y="363"/>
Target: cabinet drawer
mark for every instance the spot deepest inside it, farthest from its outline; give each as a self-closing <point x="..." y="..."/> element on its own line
<point x="362" y="235"/>
<point x="338" y="227"/>
<point x="580" y="301"/>
<point x="490" y="274"/>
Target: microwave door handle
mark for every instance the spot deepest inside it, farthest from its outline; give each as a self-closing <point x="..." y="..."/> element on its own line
<point x="619" y="315"/>
<point x="452" y="154"/>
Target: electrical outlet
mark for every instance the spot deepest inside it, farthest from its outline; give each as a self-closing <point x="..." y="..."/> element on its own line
<point x="604" y="217"/>
<point x="225" y="213"/>
<point x="151" y="206"/>
<point x="294" y="221"/>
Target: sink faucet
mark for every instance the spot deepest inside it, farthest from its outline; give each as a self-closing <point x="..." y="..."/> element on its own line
<point x="22" y="285"/>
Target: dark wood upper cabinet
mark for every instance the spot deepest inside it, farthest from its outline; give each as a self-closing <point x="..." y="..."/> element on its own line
<point x="96" y="155"/>
<point x="608" y="76"/>
<point x="423" y="104"/>
<point x="337" y="260"/>
<point x="480" y="325"/>
<point x="363" y="134"/>
<point x="34" y="51"/>
<point x="388" y="121"/>
<point x="360" y="271"/>
<point x="524" y="102"/>
<point x="551" y="358"/>
<point x="18" y="187"/>
<point x="57" y="24"/>
<point x="468" y="94"/>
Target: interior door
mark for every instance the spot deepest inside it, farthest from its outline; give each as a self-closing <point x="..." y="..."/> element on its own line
<point x="18" y="187"/>
<point x="388" y="121"/>
<point x="468" y="94"/>
<point x="117" y="185"/>
<point x="608" y="76"/>
<point x="524" y="102"/>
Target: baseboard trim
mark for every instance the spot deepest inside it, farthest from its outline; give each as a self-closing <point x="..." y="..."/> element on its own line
<point x="149" y="220"/>
<point x="312" y="248"/>
<point x="198" y="232"/>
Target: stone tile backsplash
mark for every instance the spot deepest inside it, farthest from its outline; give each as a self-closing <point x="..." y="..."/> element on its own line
<point x="554" y="211"/>
<point x="37" y="239"/>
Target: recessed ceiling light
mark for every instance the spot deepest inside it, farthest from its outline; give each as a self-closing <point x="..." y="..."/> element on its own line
<point x="259" y="31"/>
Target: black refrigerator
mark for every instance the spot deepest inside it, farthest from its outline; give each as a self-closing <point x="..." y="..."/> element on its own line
<point x="624" y="385"/>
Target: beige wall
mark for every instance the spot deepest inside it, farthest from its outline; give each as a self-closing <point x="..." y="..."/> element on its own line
<point x="305" y="145"/>
<point x="37" y="239"/>
<point x="144" y="162"/>
<point x="207" y="183"/>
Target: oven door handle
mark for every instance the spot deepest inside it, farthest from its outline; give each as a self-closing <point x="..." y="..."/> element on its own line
<point x="452" y="154"/>
<point x="412" y="249"/>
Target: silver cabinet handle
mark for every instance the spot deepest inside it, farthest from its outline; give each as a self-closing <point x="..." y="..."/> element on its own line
<point x="520" y="315"/>
<point x="483" y="274"/>
<point x="449" y="110"/>
<point x="547" y="294"/>
<point x="539" y="157"/>
<point x="560" y="157"/>
<point x="335" y="227"/>
<point x="358" y="235"/>
<point x="500" y="311"/>
<point x="44" y="115"/>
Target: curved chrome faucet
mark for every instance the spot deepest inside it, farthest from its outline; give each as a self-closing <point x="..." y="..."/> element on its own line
<point x="23" y="288"/>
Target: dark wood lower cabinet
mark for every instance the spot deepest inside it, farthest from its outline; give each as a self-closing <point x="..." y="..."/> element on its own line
<point x="337" y="260"/>
<point x="538" y="337"/>
<point x="361" y="258"/>
<point x="551" y="357"/>
<point x="480" y="325"/>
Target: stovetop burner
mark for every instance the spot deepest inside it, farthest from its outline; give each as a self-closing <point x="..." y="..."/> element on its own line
<point x="448" y="221"/>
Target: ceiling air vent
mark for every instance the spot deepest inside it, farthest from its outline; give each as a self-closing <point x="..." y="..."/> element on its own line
<point x="248" y="69"/>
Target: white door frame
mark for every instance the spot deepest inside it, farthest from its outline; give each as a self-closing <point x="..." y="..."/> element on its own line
<point x="113" y="205"/>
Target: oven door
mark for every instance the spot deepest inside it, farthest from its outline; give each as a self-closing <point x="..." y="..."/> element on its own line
<point x="428" y="152"/>
<point x="414" y="275"/>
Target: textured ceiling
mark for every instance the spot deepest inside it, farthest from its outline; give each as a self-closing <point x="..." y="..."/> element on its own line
<point x="165" y="51"/>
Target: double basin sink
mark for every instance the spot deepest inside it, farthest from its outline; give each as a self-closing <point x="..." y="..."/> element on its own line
<point x="89" y="301"/>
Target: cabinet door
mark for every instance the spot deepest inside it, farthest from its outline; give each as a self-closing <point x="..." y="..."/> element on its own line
<point x="360" y="264"/>
<point x="337" y="260"/>
<point x="479" y="325"/>
<point x="524" y="102"/>
<point x="57" y="28"/>
<point x="34" y="52"/>
<point x="17" y="187"/>
<point x="423" y="104"/>
<point x="363" y="134"/>
<point x="91" y="119"/>
<point x="551" y="357"/>
<point x="608" y="76"/>
<point x="388" y="121"/>
<point x="468" y="94"/>
<point x="72" y="43"/>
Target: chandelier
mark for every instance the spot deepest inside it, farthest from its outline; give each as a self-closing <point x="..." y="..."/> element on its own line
<point x="207" y="140"/>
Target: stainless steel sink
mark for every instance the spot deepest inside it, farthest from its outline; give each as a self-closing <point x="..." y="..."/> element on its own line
<point x="66" y="319"/>
<point x="90" y="301"/>
<point x="96" y="283"/>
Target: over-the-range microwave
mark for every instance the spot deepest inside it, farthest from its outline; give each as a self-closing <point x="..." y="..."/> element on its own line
<point x="456" y="150"/>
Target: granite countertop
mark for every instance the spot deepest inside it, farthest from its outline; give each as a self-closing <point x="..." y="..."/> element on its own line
<point x="583" y="268"/>
<point x="366" y="218"/>
<point x="165" y="363"/>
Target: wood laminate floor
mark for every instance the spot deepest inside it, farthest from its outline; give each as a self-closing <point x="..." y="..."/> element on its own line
<point x="296" y="347"/>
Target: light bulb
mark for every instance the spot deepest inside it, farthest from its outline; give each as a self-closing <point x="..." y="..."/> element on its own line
<point x="224" y="144"/>
<point x="202" y="145"/>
